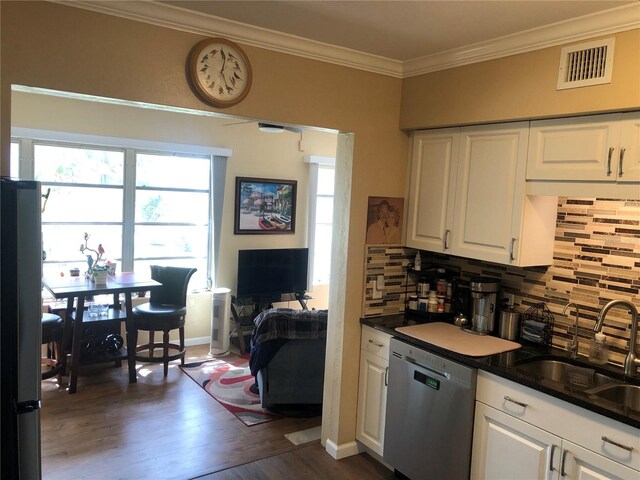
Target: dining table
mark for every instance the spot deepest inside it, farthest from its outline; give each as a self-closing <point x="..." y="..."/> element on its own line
<point x="78" y="291"/>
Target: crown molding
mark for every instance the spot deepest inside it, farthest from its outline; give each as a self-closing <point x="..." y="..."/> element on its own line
<point x="598" y="24"/>
<point x="177" y="18"/>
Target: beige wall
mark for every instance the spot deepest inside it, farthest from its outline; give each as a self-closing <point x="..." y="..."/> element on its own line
<point x="254" y="154"/>
<point x="518" y="87"/>
<point x="63" y="48"/>
<point x="59" y="47"/>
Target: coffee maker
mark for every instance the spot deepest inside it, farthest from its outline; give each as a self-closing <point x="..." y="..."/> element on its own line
<point x="484" y="293"/>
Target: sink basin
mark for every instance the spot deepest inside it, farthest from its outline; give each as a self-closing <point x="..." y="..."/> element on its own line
<point x="626" y="396"/>
<point x="565" y="373"/>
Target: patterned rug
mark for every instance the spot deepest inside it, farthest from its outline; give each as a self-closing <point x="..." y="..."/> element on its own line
<point x="228" y="381"/>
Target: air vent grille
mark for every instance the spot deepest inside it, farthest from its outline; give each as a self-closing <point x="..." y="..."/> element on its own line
<point x="586" y="64"/>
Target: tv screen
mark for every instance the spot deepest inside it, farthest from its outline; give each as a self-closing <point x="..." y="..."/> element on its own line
<point x="271" y="272"/>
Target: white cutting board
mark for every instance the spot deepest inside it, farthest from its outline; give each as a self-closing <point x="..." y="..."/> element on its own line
<point x="453" y="338"/>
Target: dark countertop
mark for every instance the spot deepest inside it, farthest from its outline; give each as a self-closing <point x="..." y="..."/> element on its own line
<point x="506" y="365"/>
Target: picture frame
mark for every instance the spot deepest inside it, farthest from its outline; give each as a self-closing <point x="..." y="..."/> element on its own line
<point x="384" y="220"/>
<point x="265" y="206"/>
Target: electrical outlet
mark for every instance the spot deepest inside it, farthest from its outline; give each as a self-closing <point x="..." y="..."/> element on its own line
<point x="376" y="293"/>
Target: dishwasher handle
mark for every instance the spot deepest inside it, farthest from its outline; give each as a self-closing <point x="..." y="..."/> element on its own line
<point x="444" y="375"/>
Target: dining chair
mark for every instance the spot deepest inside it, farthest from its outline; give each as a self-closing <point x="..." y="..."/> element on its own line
<point x="52" y="328"/>
<point x="165" y="311"/>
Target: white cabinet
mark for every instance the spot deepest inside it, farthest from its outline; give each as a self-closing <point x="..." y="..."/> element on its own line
<point x="467" y="196"/>
<point x="523" y="433"/>
<point x="372" y="388"/>
<point x="580" y="463"/>
<point x="434" y="163"/>
<point x="504" y="445"/>
<point x="533" y="453"/>
<point x="601" y="148"/>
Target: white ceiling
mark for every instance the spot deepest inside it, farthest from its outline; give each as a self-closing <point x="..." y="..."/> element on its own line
<point x="399" y="30"/>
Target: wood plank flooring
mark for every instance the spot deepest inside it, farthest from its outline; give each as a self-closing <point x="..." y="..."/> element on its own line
<point x="172" y="429"/>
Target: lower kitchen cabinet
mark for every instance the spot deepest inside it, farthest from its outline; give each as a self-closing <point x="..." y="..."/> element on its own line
<point x="506" y="447"/>
<point x="372" y="388"/>
<point x="523" y="433"/>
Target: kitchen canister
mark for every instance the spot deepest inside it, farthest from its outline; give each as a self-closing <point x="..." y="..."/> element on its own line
<point x="509" y="323"/>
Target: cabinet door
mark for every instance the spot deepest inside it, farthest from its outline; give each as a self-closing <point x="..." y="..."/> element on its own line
<point x="372" y="401"/>
<point x="584" y="148"/>
<point x="505" y="447"/>
<point x="629" y="151"/>
<point x="432" y="183"/>
<point x="490" y="192"/>
<point x="580" y="463"/>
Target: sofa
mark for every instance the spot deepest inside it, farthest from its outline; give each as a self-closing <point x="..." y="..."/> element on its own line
<point x="287" y="358"/>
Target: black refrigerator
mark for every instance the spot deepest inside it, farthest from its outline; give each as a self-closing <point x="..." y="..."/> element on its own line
<point x="20" y="328"/>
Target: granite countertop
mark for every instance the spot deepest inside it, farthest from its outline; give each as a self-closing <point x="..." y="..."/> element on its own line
<point x="506" y="365"/>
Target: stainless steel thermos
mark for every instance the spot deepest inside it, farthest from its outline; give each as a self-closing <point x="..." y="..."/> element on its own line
<point x="509" y="323"/>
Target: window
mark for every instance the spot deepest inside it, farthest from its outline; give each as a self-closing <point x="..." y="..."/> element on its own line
<point x="14" y="160"/>
<point x="320" y="218"/>
<point x="145" y="207"/>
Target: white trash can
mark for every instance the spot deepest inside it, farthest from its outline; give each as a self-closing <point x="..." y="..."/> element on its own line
<point x="220" y="321"/>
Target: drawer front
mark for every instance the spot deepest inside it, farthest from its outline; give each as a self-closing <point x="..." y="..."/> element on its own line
<point x="576" y="424"/>
<point x="375" y="341"/>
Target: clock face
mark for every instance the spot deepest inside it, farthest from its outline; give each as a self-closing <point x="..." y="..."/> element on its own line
<point x="220" y="72"/>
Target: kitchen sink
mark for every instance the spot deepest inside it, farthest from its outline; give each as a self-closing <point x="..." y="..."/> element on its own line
<point x="626" y="396"/>
<point x="564" y="373"/>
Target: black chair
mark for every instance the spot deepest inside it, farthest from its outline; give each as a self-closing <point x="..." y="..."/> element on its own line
<point x="52" y="328"/>
<point x="165" y="311"/>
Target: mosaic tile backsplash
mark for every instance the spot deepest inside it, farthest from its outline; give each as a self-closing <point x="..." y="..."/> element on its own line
<point x="596" y="259"/>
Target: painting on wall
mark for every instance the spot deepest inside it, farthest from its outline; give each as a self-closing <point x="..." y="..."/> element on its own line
<point x="384" y="221"/>
<point x="265" y="206"/>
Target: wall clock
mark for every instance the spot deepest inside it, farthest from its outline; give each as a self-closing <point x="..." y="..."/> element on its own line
<point x="220" y="72"/>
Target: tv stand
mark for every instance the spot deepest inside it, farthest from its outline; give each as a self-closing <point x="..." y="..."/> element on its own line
<point x="246" y="309"/>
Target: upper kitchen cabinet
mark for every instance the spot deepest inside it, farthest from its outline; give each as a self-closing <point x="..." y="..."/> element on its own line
<point x="434" y="161"/>
<point x="594" y="155"/>
<point x="467" y="197"/>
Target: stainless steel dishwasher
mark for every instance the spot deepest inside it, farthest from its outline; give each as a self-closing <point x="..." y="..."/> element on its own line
<point x="430" y="406"/>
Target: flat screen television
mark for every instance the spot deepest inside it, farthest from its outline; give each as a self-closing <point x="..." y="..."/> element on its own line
<point x="271" y="272"/>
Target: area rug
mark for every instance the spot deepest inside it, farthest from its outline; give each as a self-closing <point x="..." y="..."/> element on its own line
<point x="228" y="381"/>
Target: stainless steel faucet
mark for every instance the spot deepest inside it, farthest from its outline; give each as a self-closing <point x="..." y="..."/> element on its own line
<point x="572" y="348"/>
<point x="631" y="361"/>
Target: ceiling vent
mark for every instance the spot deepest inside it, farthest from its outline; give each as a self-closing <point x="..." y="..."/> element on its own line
<point x="586" y="64"/>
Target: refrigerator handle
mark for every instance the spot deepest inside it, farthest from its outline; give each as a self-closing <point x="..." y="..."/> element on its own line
<point x="29" y="406"/>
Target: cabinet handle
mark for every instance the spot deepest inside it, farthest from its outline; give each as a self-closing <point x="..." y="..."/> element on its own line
<point x="520" y="404"/>
<point x="620" y="172"/>
<point x="446" y="239"/>
<point x="511" y="249"/>
<point x="376" y="343"/>
<point x="386" y="376"/>
<point x="553" y="450"/>
<point x="611" y="149"/>
<point x="619" y="445"/>
<point x="563" y="462"/>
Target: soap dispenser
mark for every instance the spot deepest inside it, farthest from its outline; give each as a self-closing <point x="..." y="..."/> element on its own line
<point x="599" y="350"/>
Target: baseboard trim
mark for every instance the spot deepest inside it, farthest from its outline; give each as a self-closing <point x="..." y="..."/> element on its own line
<point x="342" y="451"/>
<point x="190" y="342"/>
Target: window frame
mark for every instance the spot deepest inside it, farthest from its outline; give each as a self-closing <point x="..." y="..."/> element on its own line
<point x="28" y="138"/>
<point x="315" y="164"/>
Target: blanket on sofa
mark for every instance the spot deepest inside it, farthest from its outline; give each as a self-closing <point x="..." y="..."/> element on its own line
<point x="276" y="326"/>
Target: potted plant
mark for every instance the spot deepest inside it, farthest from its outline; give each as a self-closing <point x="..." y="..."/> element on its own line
<point x="97" y="271"/>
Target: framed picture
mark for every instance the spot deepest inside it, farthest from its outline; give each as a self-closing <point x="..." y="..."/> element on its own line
<point x="264" y="205"/>
<point x="384" y="220"/>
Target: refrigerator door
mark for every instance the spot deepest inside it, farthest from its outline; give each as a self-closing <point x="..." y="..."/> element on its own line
<point x="21" y="328"/>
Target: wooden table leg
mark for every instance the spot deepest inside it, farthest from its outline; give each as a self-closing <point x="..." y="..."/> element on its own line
<point x="75" y="346"/>
<point x="132" y="338"/>
<point x="67" y="330"/>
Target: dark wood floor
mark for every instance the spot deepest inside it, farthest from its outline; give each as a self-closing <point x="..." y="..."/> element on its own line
<point x="172" y="429"/>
